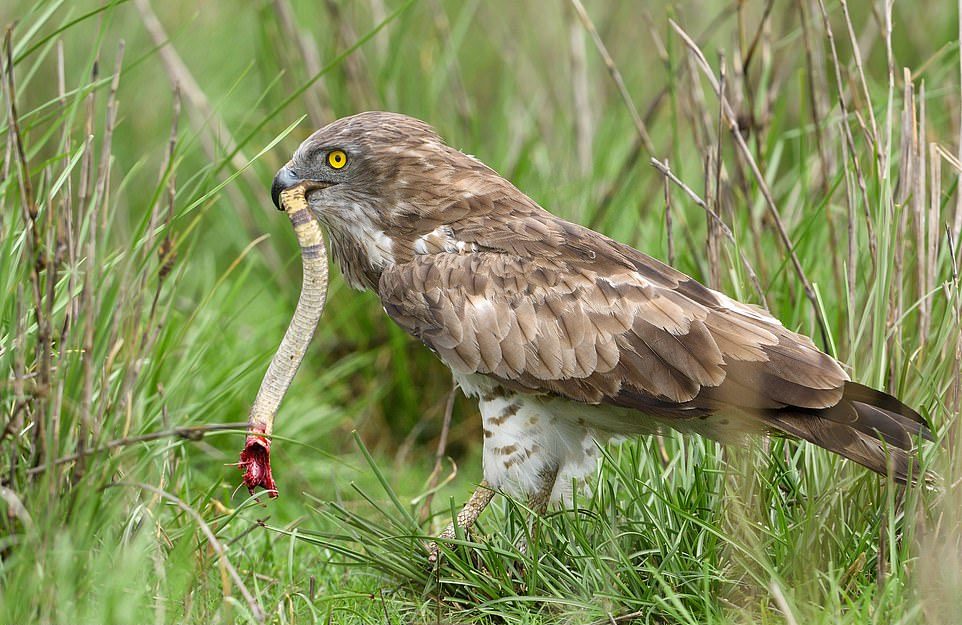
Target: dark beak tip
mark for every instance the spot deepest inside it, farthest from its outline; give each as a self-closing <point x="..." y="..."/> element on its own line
<point x="276" y="195"/>
<point x="285" y="179"/>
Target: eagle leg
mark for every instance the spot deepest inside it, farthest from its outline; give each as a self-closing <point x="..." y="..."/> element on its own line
<point x="538" y="503"/>
<point x="475" y="505"/>
<point x="538" y="500"/>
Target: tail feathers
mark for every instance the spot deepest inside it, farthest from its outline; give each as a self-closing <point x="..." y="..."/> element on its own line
<point x="867" y="426"/>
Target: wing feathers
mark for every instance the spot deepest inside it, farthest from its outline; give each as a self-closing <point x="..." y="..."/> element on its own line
<point x="802" y="365"/>
<point x="695" y="353"/>
<point x="738" y="338"/>
<point x="561" y="323"/>
<point x="513" y="348"/>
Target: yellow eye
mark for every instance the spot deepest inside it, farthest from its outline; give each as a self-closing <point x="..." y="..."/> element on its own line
<point x="337" y="159"/>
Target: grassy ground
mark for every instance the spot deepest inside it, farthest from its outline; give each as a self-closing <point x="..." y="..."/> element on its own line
<point x="145" y="281"/>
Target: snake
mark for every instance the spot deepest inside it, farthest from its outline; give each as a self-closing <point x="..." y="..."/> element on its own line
<point x="255" y="459"/>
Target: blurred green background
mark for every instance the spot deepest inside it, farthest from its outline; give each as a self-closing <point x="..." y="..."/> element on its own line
<point x="146" y="279"/>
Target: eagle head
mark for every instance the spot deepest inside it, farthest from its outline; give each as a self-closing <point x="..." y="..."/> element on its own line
<point x="379" y="182"/>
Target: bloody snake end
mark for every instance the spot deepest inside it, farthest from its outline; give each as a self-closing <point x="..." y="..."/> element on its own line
<point x="255" y="462"/>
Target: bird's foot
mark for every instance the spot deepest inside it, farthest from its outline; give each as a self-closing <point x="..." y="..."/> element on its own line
<point x="434" y="547"/>
<point x="478" y="501"/>
<point x="537" y="506"/>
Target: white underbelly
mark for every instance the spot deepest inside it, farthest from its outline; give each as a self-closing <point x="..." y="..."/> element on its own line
<point x="528" y="439"/>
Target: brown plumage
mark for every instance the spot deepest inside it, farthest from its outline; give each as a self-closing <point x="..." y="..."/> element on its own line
<point x="582" y="336"/>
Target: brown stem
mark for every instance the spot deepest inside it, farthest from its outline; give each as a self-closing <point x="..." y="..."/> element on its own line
<point x="188" y="432"/>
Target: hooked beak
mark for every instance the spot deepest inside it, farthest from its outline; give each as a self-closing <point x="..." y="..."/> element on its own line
<point x="287" y="179"/>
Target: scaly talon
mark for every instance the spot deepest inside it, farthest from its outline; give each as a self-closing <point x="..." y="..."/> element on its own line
<point x="476" y="504"/>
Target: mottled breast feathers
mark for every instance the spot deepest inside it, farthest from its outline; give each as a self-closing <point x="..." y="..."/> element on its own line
<point x="546" y="306"/>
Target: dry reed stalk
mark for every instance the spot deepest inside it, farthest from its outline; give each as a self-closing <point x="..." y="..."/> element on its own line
<point x="164" y="176"/>
<point x="355" y="69"/>
<point x="316" y="99"/>
<point x="849" y="139"/>
<point x="669" y="231"/>
<point x="666" y="171"/>
<point x="87" y="308"/>
<point x="900" y="197"/>
<point x="748" y="55"/>
<point x="34" y="253"/>
<point x="907" y="140"/>
<point x="732" y="122"/>
<point x="957" y="221"/>
<point x="933" y="221"/>
<point x="955" y="404"/>
<point x="713" y="168"/>
<point x="782" y="603"/>
<point x="817" y="84"/>
<point x="66" y="211"/>
<point x="166" y="253"/>
<point x="15" y="422"/>
<point x="818" y="109"/>
<point x="860" y="71"/>
<point x="852" y="244"/>
<point x="918" y="205"/>
<point x="434" y="478"/>
<point x="639" y="124"/>
<point x="719" y="131"/>
<point x="634" y="153"/>
<point x="890" y="100"/>
<point x="579" y="94"/>
<point x="743" y="67"/>
<point x="110" y="123"/>
<point x="51" y="375"/>
<point x="15" y="507"/>
<point x="711" y="230"/>
<point x="697" y="110"/>
<point x="101" y="209"/>
<point x="894" y="213"/>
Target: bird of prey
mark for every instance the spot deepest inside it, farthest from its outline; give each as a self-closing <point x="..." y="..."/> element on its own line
<point x="566" y="337"/>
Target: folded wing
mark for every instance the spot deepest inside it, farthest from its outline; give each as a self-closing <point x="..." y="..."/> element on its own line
<point x="597" y="322"/>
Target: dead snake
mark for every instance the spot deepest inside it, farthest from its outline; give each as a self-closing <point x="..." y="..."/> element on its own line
<point x="255" y="459"/>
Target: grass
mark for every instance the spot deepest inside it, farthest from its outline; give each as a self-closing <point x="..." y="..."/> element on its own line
<point x="145" y="280"/>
